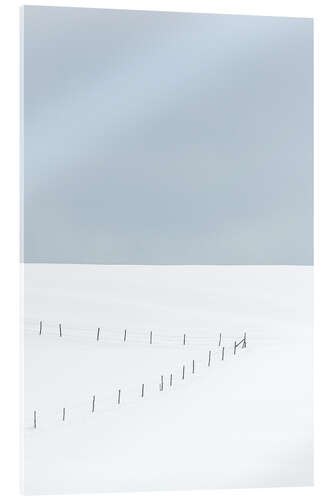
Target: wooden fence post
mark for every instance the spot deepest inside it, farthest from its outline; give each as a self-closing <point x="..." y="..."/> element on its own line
<point x="161" y="384"/>
<point x="193" y="366"/>
<point x="98" y="329"/>
<point x="151" y="338"/>
<point x="244" y="341"/>
<point x="183" y="376"/>
<point x="222" y="353"/>
<point x="35" y="419"/>
<point x="60" y="332"/>
<point x="184" y="339"/>
<point x="170" y="379"/>
<point x="125" y="336"/>
<point x="40" y="327"/>
<point x="93" y="405"/>
<point x="220" y="339"/>
<point x="235" y="345"/>
<point x="119" y="391"/>
<point x="63" y="414"/>
<point x="142" y="390"/>
<point x="209" y="357"/>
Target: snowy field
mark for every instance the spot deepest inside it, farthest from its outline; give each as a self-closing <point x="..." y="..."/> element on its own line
<point x="241" y="421"/>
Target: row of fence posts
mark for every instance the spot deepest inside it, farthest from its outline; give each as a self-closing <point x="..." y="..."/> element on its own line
<point x="242" y="342"/>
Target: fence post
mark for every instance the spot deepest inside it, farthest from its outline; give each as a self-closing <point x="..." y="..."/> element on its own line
<point x="161" y="384"/>
<point x="97" y="334"/>
<point x="193" y="366"/>
<point x="142" y="390"/>
<point x="93" y="405"/>
<point x="60" y="332"/>
<point x="151" y="338"/>
<point x="244" y="341"/>
<point x="63" y="414"/>
<point x="222" y="353"/>
<point x="35" y="419"/>
<point x="183" y="376"/>
<point x="220" y="339"/>
<point x="184" y="339"/>
<point x="119" y="391"/>
<point x="235" y="345"/>
<point x="40" y="327"/>
<point x="125" y="336"/>
<point x="170" y="379"/>
<point x="209" y="357"/>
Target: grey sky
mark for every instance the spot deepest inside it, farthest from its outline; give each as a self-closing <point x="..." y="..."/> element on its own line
<point x="166" y="138"/>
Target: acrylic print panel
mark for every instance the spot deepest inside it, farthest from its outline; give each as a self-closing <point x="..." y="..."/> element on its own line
<point x="167" y="248"/>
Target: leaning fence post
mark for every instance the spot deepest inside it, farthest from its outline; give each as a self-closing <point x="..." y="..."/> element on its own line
<point x="60" y="332"/>
<point x="93" y="404"/>
<point x="97" y="338"/>
<point x="142" y="390"/>
<point x="220" y="339"/>
<point x="40" y="327"/>
<point x="35" y="419"/>
<point x="63" y="414"/>
<point x="125" y="336"/>
<point x="209" y="357"/>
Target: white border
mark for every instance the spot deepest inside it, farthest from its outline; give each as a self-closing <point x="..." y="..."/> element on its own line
<point x="322" y="12"/>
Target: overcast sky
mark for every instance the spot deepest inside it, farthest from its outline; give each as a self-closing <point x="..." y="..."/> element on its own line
<point x="166" y="138"/>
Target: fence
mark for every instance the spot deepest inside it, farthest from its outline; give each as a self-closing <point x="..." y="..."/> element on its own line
<point x="105" y="335"/>
<point x="172" y="377"/>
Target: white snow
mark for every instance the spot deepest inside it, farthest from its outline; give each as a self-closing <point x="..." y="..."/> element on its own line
<point x="242" y="422"/>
